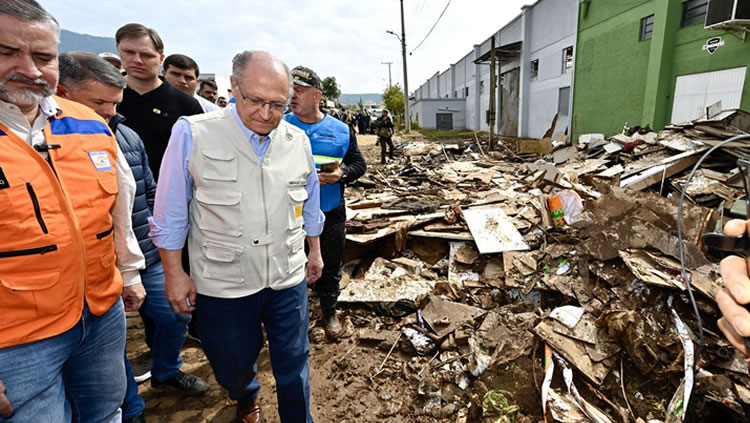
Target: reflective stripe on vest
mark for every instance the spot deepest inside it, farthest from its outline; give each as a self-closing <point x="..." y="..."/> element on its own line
<point x="56" y="242"/>
<point x="329" y="139"/>
<point x="324" y="159"/>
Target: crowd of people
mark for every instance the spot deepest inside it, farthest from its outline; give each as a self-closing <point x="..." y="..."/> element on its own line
<point x="126" y="184"/>
<point x="128" y="187"/>
<point x="360" y="120"/>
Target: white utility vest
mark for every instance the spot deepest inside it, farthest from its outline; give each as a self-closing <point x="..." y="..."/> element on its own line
<point x="246" y="216"/>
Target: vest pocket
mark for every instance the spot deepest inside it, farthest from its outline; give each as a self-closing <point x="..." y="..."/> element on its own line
<point x="219" y="211"/>
<point x="101" y="258"/>
<point x="219" y="165"/>
<point x="109" y="185"/>
<point x="27" y="296"/>
<point x="37" y="208"/>
<point x="297" y="197"/>
<point x="297" y="257"/>
<point x="221" y="262"/>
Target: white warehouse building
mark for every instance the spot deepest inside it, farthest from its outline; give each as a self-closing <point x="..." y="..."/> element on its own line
<point x="535" y="59"/>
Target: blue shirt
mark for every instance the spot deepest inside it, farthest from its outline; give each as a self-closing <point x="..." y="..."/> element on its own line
<point x="174" y="191"/>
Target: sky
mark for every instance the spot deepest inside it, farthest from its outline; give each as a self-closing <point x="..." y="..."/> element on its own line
<point x="346" y="39"/>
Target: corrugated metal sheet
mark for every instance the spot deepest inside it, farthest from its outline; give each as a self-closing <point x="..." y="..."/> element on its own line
<point x="693" y="93"/>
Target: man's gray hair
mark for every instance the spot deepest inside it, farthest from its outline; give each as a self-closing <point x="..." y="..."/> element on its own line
<point x="80" y="67"/>
<point x="241" y="60"/>
<point x="29" y="11"/>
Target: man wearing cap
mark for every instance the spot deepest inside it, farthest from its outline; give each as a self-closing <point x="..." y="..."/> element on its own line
<point x="113" y="59"/>
<point x="332" y="141"/>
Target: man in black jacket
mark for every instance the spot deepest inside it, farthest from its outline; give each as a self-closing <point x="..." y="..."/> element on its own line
<point x="91" y="81"/>
<point x="150" y="104"/>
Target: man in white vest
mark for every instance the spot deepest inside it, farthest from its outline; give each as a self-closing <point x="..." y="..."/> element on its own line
<point x="241" y="186"/>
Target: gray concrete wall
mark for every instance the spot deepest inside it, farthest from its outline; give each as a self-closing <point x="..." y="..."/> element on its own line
<point x="434" y="86"/>
<point x="511" y="33"/>
<point x="553" y="20"/>
<point x="545" y="29"/>
<point x="445" y="84"/>
<point x="553" y="28"/>
<point x="424" y="112"/>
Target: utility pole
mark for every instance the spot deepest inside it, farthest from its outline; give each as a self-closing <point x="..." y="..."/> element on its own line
<point x="389" y="72"/>
<point x="493" y="88"/>
<point x="406" y="79"/>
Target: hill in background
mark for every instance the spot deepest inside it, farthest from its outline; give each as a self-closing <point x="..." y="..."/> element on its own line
<point x="367" y="99"/>
<point x="73" y="41"/>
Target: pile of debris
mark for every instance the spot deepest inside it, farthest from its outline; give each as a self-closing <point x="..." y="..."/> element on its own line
<point x="528" y="286"/>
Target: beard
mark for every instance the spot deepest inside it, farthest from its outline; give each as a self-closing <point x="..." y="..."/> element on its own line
<point x="25" y="97"/>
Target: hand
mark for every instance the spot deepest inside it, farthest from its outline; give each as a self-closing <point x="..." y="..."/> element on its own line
<point x="330" y="177"/>
<point x="735" y="323"/>
<point x="133" y="296"/>
<point x="314" y="266"/>
<point x="6" y="408"/>
<point x="180" y="288"/>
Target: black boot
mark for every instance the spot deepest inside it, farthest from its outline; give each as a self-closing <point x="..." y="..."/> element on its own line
<point x="331" y="322"/>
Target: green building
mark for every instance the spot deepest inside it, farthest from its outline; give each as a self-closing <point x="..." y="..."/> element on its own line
<point x="651" y="62"/>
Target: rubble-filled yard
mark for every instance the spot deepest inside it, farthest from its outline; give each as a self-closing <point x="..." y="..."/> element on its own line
<point x="497" y="286"/>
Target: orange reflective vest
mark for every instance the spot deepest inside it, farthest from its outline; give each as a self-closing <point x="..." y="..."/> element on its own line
<point x="56" y="231"/>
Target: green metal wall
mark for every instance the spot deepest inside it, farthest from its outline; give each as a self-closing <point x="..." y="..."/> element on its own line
<point x="620" y="79"/>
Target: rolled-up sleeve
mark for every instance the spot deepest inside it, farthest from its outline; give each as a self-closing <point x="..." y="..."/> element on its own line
<point x="130" y="259"/>
<point x="311" y="213"/>
<point x="169" y="223"/>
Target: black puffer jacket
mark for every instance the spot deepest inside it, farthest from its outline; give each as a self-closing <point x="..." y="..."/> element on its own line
<point x="135" y="153"/>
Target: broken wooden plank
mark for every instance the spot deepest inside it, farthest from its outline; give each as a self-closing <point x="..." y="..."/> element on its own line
<point x="453" y="236"/>
<point x="611" y="172"/>
<point x="446" y="316"/>
<point x="662" y="271"/>
<point x="576" y="351"/>
<point x="667" y="168"/>
<point x="365" y="205"/>
<point x="493" y="231"/>
<point x="543" y="146"/>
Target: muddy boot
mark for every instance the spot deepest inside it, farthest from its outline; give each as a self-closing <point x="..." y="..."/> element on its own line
<point x="331" y="322"/>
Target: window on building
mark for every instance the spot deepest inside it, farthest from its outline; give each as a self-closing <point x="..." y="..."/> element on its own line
<point x="481" y="87"/>
<point x="455" y="94"/>
<point x="534" y="70"/>
<point x="563" y="101"/>
<point x="567" y="59"/>
<point x="647" y="28"/>
<point x="693" y="12"/>
<point x="467" y="92"/>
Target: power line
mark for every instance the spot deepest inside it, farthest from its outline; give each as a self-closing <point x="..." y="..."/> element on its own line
<point x="433" y="27"/>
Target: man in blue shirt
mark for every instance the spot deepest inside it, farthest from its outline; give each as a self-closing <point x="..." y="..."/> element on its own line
<point x="333" y="143"/>
<point x="241" y="187"/>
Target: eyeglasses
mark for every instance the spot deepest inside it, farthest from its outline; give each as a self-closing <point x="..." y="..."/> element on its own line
<point x="259" y="103"/>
